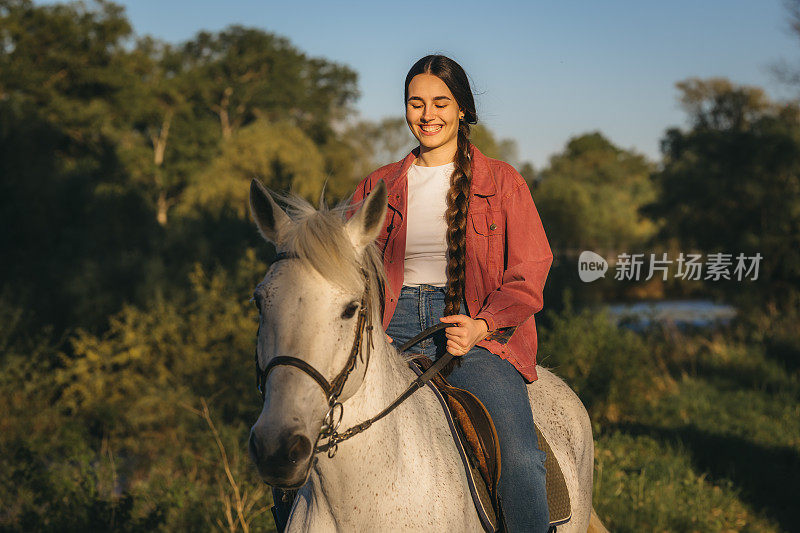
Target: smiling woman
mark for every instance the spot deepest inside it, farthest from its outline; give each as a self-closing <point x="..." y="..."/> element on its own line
<point x="433" y="116"/>
<point x="450" y="272"/>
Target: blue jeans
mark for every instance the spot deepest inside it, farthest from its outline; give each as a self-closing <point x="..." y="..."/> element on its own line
<point x="501" y="388"/>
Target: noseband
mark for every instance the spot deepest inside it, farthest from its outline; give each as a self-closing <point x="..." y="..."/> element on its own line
<point x="333" y="418"/>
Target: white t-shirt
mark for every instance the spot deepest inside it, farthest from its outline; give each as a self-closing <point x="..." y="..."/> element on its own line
<point x="426" y="238"/>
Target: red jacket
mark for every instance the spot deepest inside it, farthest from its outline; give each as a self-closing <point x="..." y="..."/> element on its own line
<point x="508" y="256"/>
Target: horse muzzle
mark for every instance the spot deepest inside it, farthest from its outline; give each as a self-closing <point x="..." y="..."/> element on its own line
<point x="286" y="461"/>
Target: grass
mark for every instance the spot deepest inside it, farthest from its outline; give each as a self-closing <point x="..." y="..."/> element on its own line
<point x="718" y="450"/>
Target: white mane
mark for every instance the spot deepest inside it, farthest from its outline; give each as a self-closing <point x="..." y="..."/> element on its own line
<point x="320" y="240"/>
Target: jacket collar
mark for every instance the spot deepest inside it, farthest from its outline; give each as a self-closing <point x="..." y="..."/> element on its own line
<point x="483" y="180"/>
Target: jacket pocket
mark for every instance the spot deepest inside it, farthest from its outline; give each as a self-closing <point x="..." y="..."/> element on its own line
<point x="490" y="240"/>
<point x="487" y="224"/>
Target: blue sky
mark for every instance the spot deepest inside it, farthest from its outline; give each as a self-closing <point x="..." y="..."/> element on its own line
<point x="542" y="71"/>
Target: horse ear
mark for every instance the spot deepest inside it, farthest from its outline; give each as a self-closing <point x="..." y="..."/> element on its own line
<point x="366" y="224"/>
<point x="272" y="222"/>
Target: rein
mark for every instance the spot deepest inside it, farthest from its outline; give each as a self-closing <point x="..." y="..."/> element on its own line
<point x="333" y="418"/>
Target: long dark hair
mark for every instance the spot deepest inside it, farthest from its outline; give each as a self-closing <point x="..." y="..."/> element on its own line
<point x="456" y="80"/>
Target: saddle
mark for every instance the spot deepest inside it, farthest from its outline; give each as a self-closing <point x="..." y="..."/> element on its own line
<point x="476" y="439"/>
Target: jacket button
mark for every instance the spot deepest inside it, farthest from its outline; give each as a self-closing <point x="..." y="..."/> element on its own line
<point x="493" y="226"/>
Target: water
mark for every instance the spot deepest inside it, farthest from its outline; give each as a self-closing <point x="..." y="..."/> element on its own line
<point x="681" y="313"/>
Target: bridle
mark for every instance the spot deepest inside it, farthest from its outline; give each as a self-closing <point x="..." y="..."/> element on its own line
<point x="331" y="389"/>
<point x="333" y="418"/>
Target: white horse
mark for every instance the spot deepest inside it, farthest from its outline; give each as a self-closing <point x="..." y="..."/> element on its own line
<point x="404" y="471"/>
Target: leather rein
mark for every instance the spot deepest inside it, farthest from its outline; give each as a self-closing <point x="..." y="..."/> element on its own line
<point x="329" y="438"/>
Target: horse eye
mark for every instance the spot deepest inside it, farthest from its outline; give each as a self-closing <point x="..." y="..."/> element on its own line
<point x="350" y="310"/>
<point x="256" y="299"/>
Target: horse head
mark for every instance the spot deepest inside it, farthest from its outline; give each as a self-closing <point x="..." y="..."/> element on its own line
<point x="312" y="312"/>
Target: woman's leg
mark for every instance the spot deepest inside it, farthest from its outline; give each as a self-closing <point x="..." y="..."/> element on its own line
<point x="501" y="388"/>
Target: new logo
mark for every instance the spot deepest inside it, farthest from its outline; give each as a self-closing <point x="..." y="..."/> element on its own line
<point x="591" y="266"/>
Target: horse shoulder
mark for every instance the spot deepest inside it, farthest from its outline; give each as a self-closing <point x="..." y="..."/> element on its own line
<point x="558" y="412"/>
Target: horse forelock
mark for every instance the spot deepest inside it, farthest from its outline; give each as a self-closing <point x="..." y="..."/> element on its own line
<point x="320" y="240"/>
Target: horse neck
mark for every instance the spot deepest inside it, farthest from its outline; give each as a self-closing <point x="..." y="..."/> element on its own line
<point x="389" y="449"/>
<point x="386" y="377"/>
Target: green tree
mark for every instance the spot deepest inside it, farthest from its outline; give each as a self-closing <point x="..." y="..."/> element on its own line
<point x="364" y="146"/>
<point x="75" y="231"/>
<point x="390" y="139"/>
<point x="731" y="183"/>
<point x="140" y="428"/>
<point x="242" y="74"/>
<point x="65" y="59"/>
<point x="590" y="194"/>
<point x="157" y="109"/>
<point x="278" y="154"/>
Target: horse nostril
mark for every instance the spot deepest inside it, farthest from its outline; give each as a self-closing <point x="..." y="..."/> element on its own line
<point x="299" y="448"/>
<point x="279" y="456"/>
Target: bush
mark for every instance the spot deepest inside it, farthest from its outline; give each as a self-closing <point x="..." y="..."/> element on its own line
<point x="611" y="369"/>
<point x="114" y="432"/>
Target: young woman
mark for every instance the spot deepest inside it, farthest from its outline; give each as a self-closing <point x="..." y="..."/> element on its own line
<point x="463" y="243"/>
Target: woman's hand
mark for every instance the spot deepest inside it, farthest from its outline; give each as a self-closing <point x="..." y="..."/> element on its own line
<point x="461" y="338"/>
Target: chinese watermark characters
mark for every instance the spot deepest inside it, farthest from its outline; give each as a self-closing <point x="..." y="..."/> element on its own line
<point x="632" y="267"/>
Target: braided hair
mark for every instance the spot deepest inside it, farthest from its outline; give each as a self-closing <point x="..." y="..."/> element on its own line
<point x="458" y="195"/>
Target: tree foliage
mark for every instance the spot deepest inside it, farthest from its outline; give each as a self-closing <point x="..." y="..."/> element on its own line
<point x="590" y="195"/>
<point x="280" y="154"/>
<point x="731" y="183"/>
<point x="242" y="74"/>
